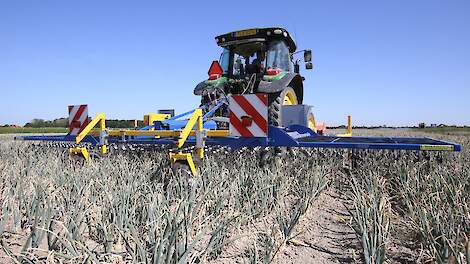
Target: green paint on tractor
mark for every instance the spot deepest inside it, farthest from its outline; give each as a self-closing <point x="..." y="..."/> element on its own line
<point x="217" y="82"/>
<point x="270" y="78"/>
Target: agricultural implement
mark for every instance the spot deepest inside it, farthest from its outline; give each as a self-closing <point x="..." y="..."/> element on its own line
<point x="252" y="98"/>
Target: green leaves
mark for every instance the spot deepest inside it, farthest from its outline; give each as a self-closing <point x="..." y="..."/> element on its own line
<point x="371" y="215"/>
<point x="134" y="208"/>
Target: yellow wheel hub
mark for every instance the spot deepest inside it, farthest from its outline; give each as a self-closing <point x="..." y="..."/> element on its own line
<point x="290" y="98"/>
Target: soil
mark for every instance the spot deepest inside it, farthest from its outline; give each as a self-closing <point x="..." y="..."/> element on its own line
<point x="325" y="235"/>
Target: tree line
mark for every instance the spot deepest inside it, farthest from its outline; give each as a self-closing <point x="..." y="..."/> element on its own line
<point x="64" y="122"/>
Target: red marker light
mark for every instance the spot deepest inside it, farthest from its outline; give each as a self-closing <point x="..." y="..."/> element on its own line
<point x="275" y="71"/>
<point x="214" y="76"/>
<point x="215" y="71"/>
<point x="247" y="121"/>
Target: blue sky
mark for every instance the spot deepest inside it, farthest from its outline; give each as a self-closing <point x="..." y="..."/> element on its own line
<point x="384" y="62"/>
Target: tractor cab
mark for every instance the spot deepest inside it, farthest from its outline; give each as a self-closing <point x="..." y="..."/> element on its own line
<point x="259" y="60"/>
<point x="243" y="51"/>
<point x="256" y="57"/>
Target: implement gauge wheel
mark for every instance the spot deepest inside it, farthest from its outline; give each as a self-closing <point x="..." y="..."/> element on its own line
<point x="276" y="100"/>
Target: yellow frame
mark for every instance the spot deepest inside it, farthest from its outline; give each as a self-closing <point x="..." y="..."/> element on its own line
<point x="184" y="156"/>
<point x="99" y="118"/>
<point x="349" y="132"/>
<point x="194" y="120"/>
<point x="160" y="133"/>
<point x="80" y="151"/>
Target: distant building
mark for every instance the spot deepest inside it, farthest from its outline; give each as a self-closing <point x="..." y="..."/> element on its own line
<point x="422" y="125"/>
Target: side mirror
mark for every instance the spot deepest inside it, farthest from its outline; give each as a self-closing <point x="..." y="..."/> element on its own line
<point x="308" y="65"/>
<point x="307" y="55"/>
<point x="296" y="68"/>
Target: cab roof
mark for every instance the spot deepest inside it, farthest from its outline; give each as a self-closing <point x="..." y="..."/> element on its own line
<point x="256" y="35"/>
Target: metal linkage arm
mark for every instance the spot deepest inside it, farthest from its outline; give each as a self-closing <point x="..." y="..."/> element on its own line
<point x="195" y="117"/>
<point x="98" y="118"/>
<point x="103" y="137"/>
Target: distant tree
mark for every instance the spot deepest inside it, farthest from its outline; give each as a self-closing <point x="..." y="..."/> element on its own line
<point x="60" y="122"/>
<point x="37" y="122"/>
<point x="64" y="122"/>
<point x="114" y="123"/>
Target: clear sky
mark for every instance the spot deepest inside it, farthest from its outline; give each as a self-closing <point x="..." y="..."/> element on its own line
<point x="384" y="62"/>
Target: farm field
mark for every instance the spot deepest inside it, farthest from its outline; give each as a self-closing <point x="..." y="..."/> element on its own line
<point x="303" y="206"/>
<point x="36" y="130"/>
<point x="448" y="129"/>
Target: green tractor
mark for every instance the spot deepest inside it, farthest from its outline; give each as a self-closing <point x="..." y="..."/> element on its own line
<point x="259" y="60"/>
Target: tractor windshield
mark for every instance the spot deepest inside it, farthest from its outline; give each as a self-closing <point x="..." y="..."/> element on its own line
<point x="278" y="56"/>
<point x="224" y="60"/>
<point x="238" y="60"/>
<point x="240" y="56"/>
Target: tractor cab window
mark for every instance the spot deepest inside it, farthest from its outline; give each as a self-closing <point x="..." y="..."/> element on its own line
<point x="238" y="68"/>
<point x="258" y="57"/>
<point x="237" y="61"/>
<point x="224" y="60"/>
<point x="245" y="55"/>
<point x="278" y="56"/>
<point x="238" y="65"/>
<point x="243" y="66"/>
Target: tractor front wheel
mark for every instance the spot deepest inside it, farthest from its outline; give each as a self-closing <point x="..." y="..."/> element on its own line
<point x="275" y="103"/>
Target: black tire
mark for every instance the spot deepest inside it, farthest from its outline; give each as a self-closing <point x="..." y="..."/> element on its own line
<point x="275" y="102"/>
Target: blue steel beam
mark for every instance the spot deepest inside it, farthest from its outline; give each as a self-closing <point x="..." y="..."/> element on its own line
<point x="294" y="136"/>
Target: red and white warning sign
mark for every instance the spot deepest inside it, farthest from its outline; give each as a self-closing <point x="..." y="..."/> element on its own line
<point x="78" y="118"/>
<point x="249" y="115"/>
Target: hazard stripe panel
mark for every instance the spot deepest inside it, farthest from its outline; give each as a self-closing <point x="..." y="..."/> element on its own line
<point x="78" y="118"/>
<point x="253" y="108"/>
<point x="237" y="129"/>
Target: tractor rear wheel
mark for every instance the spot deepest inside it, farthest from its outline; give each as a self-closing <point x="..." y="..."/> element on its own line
<point x="275" y="103"/>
